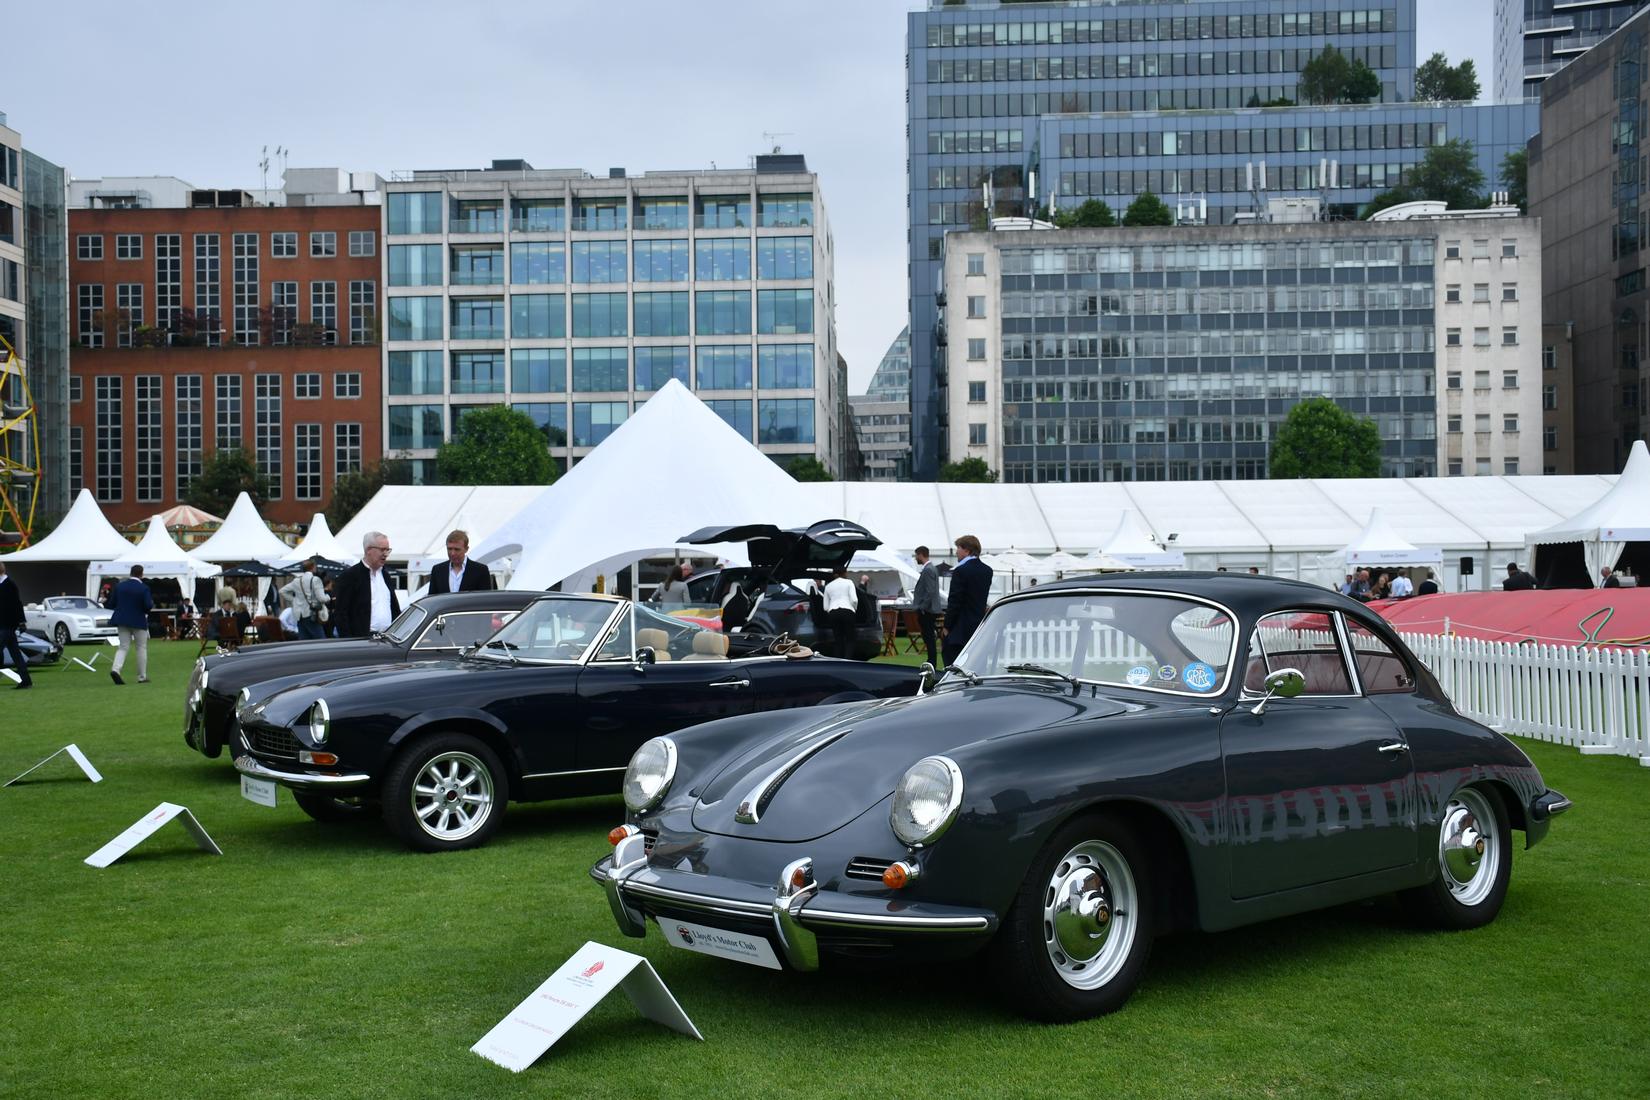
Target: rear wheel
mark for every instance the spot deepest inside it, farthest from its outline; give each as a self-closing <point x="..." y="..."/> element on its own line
<point x="332" y="809"/>
<point x="1076" y="939"/>
<point x="445" y="793"/>
<point x="1474" y="864"/>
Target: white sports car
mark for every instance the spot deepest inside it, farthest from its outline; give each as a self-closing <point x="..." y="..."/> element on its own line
<point x="66" y="619"/>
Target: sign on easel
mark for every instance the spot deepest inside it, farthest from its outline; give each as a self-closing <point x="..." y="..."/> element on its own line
<point x="518" y="1040"/>
<point x="146" y="827"/>
<point x="10" y="675"/>
<point x="74" y="754"/>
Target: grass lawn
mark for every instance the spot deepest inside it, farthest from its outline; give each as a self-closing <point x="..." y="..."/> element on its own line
<point x="316" y="960"/>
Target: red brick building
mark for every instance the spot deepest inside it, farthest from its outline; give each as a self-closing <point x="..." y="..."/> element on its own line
<point x="220" y="326"/>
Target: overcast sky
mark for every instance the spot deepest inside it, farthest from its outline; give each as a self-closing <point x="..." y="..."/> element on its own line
<point x="196" y="90"/>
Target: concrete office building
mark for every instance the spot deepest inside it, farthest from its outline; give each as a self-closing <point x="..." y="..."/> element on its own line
<point x="882" y="418"/>
<point x="1175" y="353"/>
<point x="1111" y="99"/>
<point x="573" y="297"/>
<point x="1536" y="38"/>
<point x="1587" y="186"/>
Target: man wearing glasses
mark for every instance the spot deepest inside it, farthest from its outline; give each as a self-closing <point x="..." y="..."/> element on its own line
<point x="363" y="598"/>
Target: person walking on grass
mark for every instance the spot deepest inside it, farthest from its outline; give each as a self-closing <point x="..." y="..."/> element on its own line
<point x="11" y="621"/>
<point x="925" y="599"/>
<point x="131" y="604"/>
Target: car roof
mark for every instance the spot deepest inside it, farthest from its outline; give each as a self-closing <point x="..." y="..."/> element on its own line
<point x="448" y="602"/>
<point x="1247" y="594"/>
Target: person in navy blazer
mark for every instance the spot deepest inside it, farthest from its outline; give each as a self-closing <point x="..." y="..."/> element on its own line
<point x="970" y="588"/>
<point x="472" y="575"/>
<point x="131" y="604"/>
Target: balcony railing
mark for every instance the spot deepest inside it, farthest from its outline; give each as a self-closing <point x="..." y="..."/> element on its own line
<point x="478" y="278"/>
<point x="476" y="332"/>
<point x="721" y="221"/>
<point x="599" y="222"/>
<point x="476" y="223"/>
<point x="785" y="221"/>
<point x="662" y="221"/>
<point x="537" y="224"/>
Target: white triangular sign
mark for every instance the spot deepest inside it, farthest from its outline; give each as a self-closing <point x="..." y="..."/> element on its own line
<point x="74" y="754"/>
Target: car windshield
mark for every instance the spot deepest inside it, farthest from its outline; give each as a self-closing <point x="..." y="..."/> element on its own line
<point x="406" y="625"/>
<point x="555" y="628"/>
<point x="71" y="603"/>
<point x="1154" y="642"/>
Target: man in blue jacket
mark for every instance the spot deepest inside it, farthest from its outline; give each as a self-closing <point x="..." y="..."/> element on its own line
<point x="131" y="604"/>
<point x="970" y="588"/>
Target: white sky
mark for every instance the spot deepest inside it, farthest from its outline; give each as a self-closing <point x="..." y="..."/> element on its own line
<point x="196" y="90"/>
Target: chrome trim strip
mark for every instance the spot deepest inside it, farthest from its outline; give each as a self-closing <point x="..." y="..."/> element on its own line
<point x="248" y="766"/>
<point x="579" y="771"/>
<point x="810" y="914"/>
<point x="1349" y="654"/>
<point x="750" y="807"/>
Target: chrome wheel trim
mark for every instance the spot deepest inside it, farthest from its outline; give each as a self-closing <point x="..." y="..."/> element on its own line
<point x="1089" y="922"/>
<point x="1469" y="847"/>
<point x="452" y="795"/>
<point x="60" y="635"/>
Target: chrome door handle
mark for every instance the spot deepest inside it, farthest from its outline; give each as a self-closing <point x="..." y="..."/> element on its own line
<point x="1393" y="747"/>
<point x="731" y="684"/>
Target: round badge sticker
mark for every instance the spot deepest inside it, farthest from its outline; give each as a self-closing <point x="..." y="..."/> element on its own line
<point x="1140" y="675"/>
<point x="1199" y="676"/>
<point x="1166" y="672"/>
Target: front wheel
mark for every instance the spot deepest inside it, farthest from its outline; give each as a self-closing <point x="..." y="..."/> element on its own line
<point x="445" y="793"/>
<point x="1075" y="941"/>
<point x="331" y="809"/>
<point x="1474" y="864"/>
<point x="60" y="635"/>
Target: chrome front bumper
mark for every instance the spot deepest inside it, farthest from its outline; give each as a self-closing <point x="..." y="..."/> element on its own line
<point x="301" y="781"/>
<point x="795" y="908"/>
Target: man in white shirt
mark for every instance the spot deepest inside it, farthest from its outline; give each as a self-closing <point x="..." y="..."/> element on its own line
<point x="363" y="599"/>
<point x="842" y="613"/>
<point x="1402" y="586"/>
<point x="459" y="574"/>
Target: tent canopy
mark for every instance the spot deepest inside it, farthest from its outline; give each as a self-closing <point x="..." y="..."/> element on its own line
<point x="1133" y="545"/>
<point x="184" y="515"/>
<point x="1378" y="544"/>
<point x="160" y="557"/>
<point x="319" y="543"/>
<point x="243" y="537"/>
<point x="84" y="535"/>
<point x="637" y="493"/>
<point x="1603" y="528"/>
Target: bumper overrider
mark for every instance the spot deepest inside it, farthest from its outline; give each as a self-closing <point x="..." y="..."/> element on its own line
<point x="794" y="912"/>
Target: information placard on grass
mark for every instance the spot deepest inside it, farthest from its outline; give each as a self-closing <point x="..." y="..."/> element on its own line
<point x="572" y="991"/>
<point x="74" y="754"/>
<point x="147" y="826"/>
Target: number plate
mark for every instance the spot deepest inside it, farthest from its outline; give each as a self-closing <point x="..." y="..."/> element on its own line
<point x="737" y="946"/>
<point x="261" y="791"/>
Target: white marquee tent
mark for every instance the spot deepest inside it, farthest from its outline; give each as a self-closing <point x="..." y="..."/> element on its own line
<point x="1376" y="547"/>
<point x="160" y="557"/>
<point x="84" y="535"/>
<point x="320" y="542"/>
<point x="1133" y="545"/>
<point x="243" y="537"/>
<point x="1602" y="531"/>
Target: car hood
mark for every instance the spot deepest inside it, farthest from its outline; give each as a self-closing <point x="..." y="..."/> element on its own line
<point x="282" y="702"/>
<point x="848" y="762"/>
<point x="231" y="672"/>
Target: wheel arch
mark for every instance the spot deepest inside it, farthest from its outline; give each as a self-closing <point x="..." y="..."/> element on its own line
<point x="1506" y="798"/>
<point x="482" y="727"/>
<point x="1175" y="893"/>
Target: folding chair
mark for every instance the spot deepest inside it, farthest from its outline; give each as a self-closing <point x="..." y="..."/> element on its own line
<point x="913" y="632"/>
<point x="890" y="620"/>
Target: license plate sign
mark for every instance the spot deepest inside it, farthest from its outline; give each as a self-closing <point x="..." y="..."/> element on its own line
<point x="261" y="791"/>
<point x="738" y="946"/>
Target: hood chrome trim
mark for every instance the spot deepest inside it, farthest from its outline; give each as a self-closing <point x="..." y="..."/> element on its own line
<point x="752" y="805"/>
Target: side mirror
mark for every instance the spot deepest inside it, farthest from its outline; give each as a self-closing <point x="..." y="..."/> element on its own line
<point x="926" y="680"/>
<point x="1285" y="683"/>
<point x="644" y="657"/>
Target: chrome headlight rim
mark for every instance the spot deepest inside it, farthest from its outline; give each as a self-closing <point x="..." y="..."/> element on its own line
<point x="243" y="699"/>
<point x="320" y="722"/>
<point x="636" y="797"/>
<point x="953" y="804"/>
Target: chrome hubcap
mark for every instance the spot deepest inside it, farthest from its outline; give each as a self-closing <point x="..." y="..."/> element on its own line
<point x="1469" y="847"/>
<point x="1088" y="914"/>
<point x="452" y="796"/>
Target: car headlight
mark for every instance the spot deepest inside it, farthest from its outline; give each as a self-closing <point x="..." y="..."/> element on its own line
<point x="926" y="801"/>
<point x="197" y="684"/>
<point x="242" y="700"/>
<point x="648" y="777"/>
<point x="320" y="722"/>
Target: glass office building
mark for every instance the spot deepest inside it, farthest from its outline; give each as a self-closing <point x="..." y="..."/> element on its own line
<point x="1536" y="38"/>
<point x="573" y="298"/>
<point x="882" y="418"/>
<point x="1026" y="103"/>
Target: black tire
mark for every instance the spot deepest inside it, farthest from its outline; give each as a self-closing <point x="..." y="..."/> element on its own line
<point x="60" y="634"/>
<point x="1474" y="864"/>
<point x="463" y="795"/>
<point x="332" y="810"/>
<point x="1097" y="857"/>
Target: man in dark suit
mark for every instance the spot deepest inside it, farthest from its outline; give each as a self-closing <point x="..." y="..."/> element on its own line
<point x="970" y="588"/>
<point x="1517" y="580"/>
<point x="925" y="600"/>
<point x="472" y="575"/>
<point x="364" y="599"/>
<point x="11" y="621"/>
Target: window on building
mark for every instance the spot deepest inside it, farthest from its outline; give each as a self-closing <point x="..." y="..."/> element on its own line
<point x="784" y="312"/>
<point x="1455" y="467"/>
<point x="477" y="372"/>
<point x="1480" y="379"/>
<point x="1482" y="467"/>
<point x="189" y="411"/>
<point x="416" y="265"/>
<point x="736" y="413"/>
<point x="1509" y="336"/>
<point x="785" y="258"/>
<point x="1452" y="337"/>
<point x="786" y="420"/>
<point x="283" y="246"/>
<point x="1549" y="398"/>
<point x="88" y="246"/>
<point x="306" y="461"/>
<point x="656" y="366"/>
<point x="129" y="314"/>
<point x="661" y="261"/>
<point x="1480" y="249"/>
<point x="1452" y="423"/>
<point x="976" y="435"/>
<point x="90" y="314"/>
<point x="976" y="348"/>
<point x="601" y="370"/>
<point x="785" y="367"/>
<point x="599" y="261"/>
<point x="1549" y="358"/>
<point x="594" y="421"/>
<point x="306" y="386"/>
<point x="1509" y="380"/>
<point x="75" y="388"/>
<point x="477" y="318"/>
<point x="415" y="319"/>
<point x="110" y="420"/>
<point x="1509" y="466"/>
<point x="1481" y="337"/>
<point x="362" y="242"/>
<point x="266" y="428"/>
<point x="1549" y="438"/>
<point x="534" y="262"/>
<point x="722" y="259"/>
<point x="722" y="312"/>
<point x="976" y="305"/>
<point x="1452" y="250"/>
<point x="323" y="243"/>
<point x="128" y="246"/>
<point x="478" y="266"/>
<point x="722" y="367"/>
<point x="168" y="278"/>
<point x="148" y="437"/>
<point x="363" y="311"/>
<point x="408" y="212"/>
<point x="1452" y="380"/>
<point x="283" y="310"/>
<point x="538" y="370"/>
<point x="1509" y="292"/>
<point x="976" y="393"/>
<point x="415" y="426"/>
<point x="660" y="313"/>
<point x="1509" y="422"/>
<point x="346" y="449"/>
<point x="1480" y="292"/>
<point x="228" y="412"/>
<point x="1452" y="292"/>
<point x="1509" y="247"/>
<point x="538" y="316"/>
<point x="1481" y="422"/>
<point x="346" y="385"/>
<point x="244" y="272"/>
<point x="976" y="263"/>
<point x="323" y="310"/>
<point x="600" y="315"/>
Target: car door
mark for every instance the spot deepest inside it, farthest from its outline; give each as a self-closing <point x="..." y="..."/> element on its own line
<point x="1318" y="787"/>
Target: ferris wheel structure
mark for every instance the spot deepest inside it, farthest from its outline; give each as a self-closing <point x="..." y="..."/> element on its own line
<point x="19" y="450"/>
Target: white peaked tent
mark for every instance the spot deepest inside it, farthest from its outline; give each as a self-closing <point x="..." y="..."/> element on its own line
<point x="1376" y="547"/>
<point x="319" y="542"/>
<point x="1603" y="532"/>
<point x="1133" y="545"/>
<point x="672" y="468"/>
<point x="84" y="535"/>
<point x="160" y="557"/>
<point x="243" y="537"/>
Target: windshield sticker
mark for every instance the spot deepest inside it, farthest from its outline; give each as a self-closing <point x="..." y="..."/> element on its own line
<point x="1199" y="676"/>
<point x="1167" y="673"/>
<point x="1140" y="676"/>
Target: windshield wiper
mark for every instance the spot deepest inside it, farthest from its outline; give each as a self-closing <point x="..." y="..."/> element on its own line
<point x="968" y="677"/>
<point x="1041" y="670"/>
<point x="509" y="650"/>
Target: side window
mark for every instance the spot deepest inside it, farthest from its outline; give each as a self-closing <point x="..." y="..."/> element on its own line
<point x="462" y="630"/>
<point x="1381" y="671"/>
<point x="702" y="589"/>
<point x="618" y="646"/>
<point x="1303" y="640"/>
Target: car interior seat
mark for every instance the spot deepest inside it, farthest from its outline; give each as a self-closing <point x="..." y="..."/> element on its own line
<point x="708" y="646"/>
<point x="655" y="639"/>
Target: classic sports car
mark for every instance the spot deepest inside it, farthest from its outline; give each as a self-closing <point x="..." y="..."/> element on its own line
<point x="552" y="706"/>
<point x="66" y="619"/>
<point x="36" y="650"/>
<point x="434" y="627"/>
<point x="1109" y="759"/>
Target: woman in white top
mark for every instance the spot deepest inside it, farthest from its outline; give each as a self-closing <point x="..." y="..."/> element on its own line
<point x="842" y="613"/>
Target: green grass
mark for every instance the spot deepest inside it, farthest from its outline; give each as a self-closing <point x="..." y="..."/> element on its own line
<point x="318" y="960"/>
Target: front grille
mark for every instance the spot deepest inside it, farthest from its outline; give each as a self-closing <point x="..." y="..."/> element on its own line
<point x="867" y="868"/>
<point x="649" y="839"/>
<point x="272" y="742"/>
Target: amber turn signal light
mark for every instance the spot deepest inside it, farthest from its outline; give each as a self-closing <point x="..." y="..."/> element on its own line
<point x="899" y="875"/>
<point x="619" y="832"/>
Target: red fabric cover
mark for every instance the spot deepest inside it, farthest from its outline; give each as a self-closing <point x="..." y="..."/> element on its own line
<point x="1545" y="616"/>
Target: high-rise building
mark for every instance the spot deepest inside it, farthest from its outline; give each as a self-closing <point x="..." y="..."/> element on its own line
<point x="46" y="354"/>
<point x="573" y="297"/>
<point x="882" y="418"/>
<point x="226" y="322"/>
<point x="1021" y="104"/>
<point x="1536" y="38"/>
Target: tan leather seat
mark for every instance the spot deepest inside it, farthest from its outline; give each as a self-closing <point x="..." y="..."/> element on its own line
<point x="656" y="639"/>
<point x="709" y="646"/>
